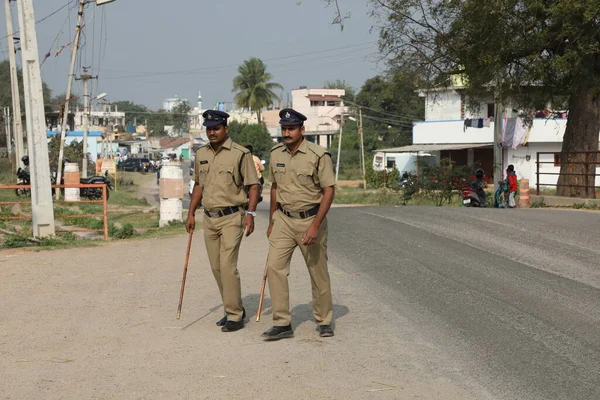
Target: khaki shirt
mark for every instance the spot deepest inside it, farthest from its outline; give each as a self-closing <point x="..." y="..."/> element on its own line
<point x="302" y="176"/>
<point x="222" y="175"/>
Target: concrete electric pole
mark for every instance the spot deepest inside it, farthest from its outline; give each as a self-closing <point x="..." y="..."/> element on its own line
<point x="41" y="194"/>
<point x="65" y="121"/>
<point x="6" y="112"/>
<point x="498" y="156"/>
<point x="86" y="117"/>
<point x="339" y="154"/>
<point x="362" y="148"/>
<point x="14" y="88"/>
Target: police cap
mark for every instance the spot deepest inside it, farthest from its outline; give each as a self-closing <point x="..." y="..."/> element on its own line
<point x="214" y="118"/>
<point x="290" y="117"/>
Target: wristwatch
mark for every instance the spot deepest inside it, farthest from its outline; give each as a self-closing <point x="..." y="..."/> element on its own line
<point x="253" y="213"/>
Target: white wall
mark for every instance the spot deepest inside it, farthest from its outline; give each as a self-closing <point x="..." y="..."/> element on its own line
<point x="442" y="132"/>
<point x="527" y="169"/>
<point x="448" y="132"/>
<point x="442" y="106"/>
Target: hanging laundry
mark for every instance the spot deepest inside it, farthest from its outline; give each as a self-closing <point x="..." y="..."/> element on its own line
<point x="486" y="122"/>
<point x="480" y="123"/>
<point x="509" y="132"/>
<point x="522" y="129"/>
<point x="468" y="123"/>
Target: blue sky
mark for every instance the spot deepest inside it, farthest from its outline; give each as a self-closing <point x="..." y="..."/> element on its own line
<point x="145" y="51"/>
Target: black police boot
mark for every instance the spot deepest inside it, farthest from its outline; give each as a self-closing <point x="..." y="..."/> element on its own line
<point x="325" y="330"/>
<point x="278" y="332"/>
<point x="232" y="326"/>
<point x="223" y="320"/>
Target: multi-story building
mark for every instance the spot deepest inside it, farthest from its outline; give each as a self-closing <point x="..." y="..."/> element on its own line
<point x="324" y="109"/>
<point x="446" y="133"/>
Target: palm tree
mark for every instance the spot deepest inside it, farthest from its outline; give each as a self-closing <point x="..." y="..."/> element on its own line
<point x="255" y="91"/>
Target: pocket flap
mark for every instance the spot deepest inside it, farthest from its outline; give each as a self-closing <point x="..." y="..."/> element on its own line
<point x="305" y="171"/>
<point x="226" y="168"/>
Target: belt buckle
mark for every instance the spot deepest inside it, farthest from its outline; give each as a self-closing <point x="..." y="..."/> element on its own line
<point x="213" y="214"/>
<point x="295" y="214"/>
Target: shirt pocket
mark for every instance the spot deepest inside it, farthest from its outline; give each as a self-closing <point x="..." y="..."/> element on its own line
<point x="305" y="176"/>
<point x="226" y="174"/>
<point x="280" y="175"/>
<point x="203" y="174"/>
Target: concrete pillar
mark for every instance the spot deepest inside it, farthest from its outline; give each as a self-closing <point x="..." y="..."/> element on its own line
<point x="471" y="157"/>
<point x="171" y="193"/>
<point x="72" y="178"/>
<point x="524" y="193"/>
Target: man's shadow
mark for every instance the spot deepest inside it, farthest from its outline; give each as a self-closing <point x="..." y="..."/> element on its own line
<point x="300" y="313"/>
<point x="250" y="304"/>
<point x="303" y="313"/>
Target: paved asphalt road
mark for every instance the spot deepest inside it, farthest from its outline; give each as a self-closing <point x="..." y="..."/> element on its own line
<point x="512" y="296"/>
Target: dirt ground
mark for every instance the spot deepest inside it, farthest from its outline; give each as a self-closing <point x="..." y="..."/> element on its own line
<point x="100" y="323"/>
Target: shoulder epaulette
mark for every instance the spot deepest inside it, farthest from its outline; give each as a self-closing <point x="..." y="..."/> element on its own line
<point x="240" y="148"/>
<point x="277" y="146"/>
<point x="318" y="150"/>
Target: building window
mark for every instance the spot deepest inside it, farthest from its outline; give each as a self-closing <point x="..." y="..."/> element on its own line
<point x="557" y="159"/>
<point x="314" y="103"/>
<point x="490" y="110"/>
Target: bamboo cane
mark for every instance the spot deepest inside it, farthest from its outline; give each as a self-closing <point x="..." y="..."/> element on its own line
<point x="262" y="292"/>
<point x="185" y="268"/>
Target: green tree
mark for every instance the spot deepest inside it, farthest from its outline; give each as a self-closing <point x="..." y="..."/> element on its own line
<point x="340" y="84"/>
<point x="254" y="135"/>
<point x="181" y="117"/>
<point x="254" y="86"/>
<point x="133" y="112"/>
<point x="510" y="45"/>
<point x="157" y="121"/>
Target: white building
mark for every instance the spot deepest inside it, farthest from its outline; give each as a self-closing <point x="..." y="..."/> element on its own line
<point x="324" y="109"/>
<point x="170" y="103"/>
<point x="104" y="118"/>
<point x="444" y="134"/>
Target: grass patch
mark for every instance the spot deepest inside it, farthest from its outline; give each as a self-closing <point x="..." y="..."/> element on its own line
<point x="537" y="204"/>
<point x="385" y="197"/>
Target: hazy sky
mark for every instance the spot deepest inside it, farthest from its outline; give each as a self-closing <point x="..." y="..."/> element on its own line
<point x="148" y="50"/>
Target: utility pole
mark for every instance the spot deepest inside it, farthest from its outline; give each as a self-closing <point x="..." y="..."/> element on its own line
<point x="41" y="194"/>
<point x="6" y="112"/>
<point x="14" y="88"/>
<point x="362" y="148"/>
<point x="65" y="120"/>
<point x="86" y="117"/>
<point x="498" y="159"/>
<point x="337" y="163"/>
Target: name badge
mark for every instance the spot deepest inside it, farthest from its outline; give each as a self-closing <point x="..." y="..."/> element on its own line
<point x="203" y="162"/>
<point x="280" y="165"/>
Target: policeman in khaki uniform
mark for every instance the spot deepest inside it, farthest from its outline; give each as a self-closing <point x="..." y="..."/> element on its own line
<point x="302" y="192"/>
<point x="222" y="169"/>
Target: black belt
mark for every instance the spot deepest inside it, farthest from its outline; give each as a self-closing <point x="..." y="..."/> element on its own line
<point x="299" y="214"/>
<point x="224" y="212"/>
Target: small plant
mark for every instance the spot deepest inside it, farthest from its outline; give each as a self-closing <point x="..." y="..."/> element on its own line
<point x="592" y="206"/>
<point x="578" y="206"/>
<point x="537" y="204"/>
<point x="13" y="242"/>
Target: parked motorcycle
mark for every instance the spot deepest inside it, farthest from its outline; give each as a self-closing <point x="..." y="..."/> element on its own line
<point x="24" y="179"/>
<point x="90" y="193"/>
<point x="470" y="198"/>
<point x="473" y="195"/>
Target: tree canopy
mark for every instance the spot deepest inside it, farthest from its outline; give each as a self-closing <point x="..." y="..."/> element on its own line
<point x="507" y="47"/>
<point x="254" y="88"/>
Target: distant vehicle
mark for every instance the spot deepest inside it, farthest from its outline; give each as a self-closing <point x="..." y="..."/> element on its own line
<point x="136" y="165"/>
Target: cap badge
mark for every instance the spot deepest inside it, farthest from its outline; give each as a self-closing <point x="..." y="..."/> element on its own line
<point x="287" y="115"/>
<point x="209" y="116"/>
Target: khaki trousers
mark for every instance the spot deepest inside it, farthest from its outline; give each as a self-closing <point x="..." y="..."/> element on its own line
<point x="223" y="236"/>
<point x="285" y="237"/>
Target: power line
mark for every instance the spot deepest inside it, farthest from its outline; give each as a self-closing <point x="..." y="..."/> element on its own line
<point x="409" y="118"/>
<point x="39" y="21"/>
<point x="232" y="65"/>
